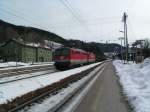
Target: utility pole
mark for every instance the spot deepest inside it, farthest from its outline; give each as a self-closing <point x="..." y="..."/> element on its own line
<point x="121" y="38"/>
<point x="124" y="20"/>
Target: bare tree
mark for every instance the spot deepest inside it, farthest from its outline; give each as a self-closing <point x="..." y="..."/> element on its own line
<point x="146" y="48"/>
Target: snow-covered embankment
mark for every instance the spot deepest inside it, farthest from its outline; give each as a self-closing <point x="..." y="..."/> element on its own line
<point x="135" y="79"/>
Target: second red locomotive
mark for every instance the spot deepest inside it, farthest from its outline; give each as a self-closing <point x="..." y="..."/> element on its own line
<point x="66" y="57"/>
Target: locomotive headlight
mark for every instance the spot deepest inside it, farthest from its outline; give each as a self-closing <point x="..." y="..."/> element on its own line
<point x="62" y="57"/>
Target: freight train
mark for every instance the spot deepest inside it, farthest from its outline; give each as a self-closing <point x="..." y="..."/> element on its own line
<point x="66" y="58"/>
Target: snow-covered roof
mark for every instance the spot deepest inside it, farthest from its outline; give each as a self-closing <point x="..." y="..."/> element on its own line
<point x="53" y="45"/>
<point x="35" y="45"/>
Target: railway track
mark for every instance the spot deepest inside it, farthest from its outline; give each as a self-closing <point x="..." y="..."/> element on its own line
<point x="26" y="70"/>
<point x="62" y="84"/>
<point x="25" y="76"/>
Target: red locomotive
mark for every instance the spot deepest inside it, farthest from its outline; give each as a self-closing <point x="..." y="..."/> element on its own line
<point x="69" y="57"/>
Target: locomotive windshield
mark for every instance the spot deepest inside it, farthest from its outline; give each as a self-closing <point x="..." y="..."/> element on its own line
<point x="60" y="52"/>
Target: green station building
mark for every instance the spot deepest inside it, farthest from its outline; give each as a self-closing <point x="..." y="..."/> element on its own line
<point x="16" y="50"/>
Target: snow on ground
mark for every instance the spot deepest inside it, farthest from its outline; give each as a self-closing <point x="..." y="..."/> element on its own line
<point x="11" y="90"/>
<point x="135" y="79"/>
<point x="53" y="100"/>
<point x="12" y="65"/>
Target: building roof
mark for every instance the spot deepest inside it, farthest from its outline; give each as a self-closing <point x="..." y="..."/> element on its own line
<point x="33" y="45"/>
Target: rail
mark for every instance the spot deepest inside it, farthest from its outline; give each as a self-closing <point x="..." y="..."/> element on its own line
<point x="20" y="71"/>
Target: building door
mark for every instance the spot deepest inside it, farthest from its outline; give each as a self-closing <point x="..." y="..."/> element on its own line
<point x="41" y="59"/>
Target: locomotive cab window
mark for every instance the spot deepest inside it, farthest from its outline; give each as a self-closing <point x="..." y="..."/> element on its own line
<point x="65" y="51"/>
<point x="59" y="52"/>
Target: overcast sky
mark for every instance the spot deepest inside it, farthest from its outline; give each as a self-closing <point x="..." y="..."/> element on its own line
<point x="88" y="20"/>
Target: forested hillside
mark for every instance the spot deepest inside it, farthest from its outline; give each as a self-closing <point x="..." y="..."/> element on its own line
<point x="29" y="34"/>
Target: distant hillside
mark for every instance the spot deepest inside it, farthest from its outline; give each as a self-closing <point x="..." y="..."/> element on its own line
<point x="97" y="48"/>
<point x="30" y="34"/>
<point x="111" y="47"/>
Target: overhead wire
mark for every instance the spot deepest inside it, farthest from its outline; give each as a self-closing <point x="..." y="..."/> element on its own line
<point x="22" y="18"/>
<point x="103" y="20"/>
<point x="18" y="12"/>
<point x="29" y="19"/>
<point x="26" y="17"/>
<point x="75" y="15"/>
